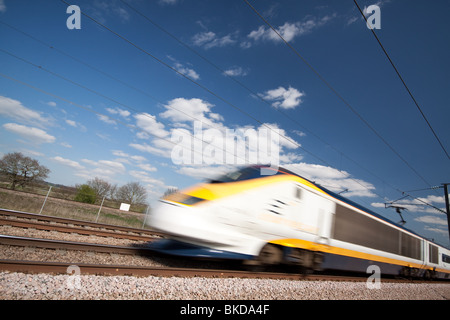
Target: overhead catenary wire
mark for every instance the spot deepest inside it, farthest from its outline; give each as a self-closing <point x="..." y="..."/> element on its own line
<point x="194" y="136"/>
<point x="403" y="82"/>
<point x="240" y="83"/>
<point x="124" y="83"/>
<point x="246" y="113"/>
<point x="246" y="87"/>
<point x="96" y="69"/>
<point x="26" y="84"/>
<point x="327" y="84"/>
<point x="254" y="118"/>
<point x="126" y="106"/>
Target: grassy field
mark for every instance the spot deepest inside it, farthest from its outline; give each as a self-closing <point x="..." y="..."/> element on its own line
<point x="28" y="202"/>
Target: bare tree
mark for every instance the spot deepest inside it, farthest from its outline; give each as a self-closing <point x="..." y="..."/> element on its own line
<point x="102" y="188"/>
<point x="21" y="170"/>
<point x="169" y="191"/>
<point x="132" y="193"/>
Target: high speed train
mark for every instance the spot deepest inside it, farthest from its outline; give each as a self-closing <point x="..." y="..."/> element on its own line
<point x="282" y="218"/>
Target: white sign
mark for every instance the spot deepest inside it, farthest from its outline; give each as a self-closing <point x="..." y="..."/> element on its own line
<point x="124" y="207"/>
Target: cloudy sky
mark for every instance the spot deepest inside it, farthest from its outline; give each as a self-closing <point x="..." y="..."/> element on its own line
<point x="141" y="81"/>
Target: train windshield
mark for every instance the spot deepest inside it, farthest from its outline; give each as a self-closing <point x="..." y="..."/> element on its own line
<point x="243" y="174"/>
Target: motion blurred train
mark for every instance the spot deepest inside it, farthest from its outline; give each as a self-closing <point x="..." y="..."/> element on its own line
<point x="282" y="218"/>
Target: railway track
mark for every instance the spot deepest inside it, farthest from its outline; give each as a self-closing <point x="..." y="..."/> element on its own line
<point x="65" y="225"/>
<point x="28" y="266"/>
<point x="98" y="269"/>
<point x="8" y="217"/>
<point x="54" y="267"/>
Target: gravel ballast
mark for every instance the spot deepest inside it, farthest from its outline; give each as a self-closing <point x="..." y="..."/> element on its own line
<point x="87" y="287"/>
<point x="19" y="286"/>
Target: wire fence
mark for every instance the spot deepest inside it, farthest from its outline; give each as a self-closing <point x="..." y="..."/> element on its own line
<point x="60" y="201"/>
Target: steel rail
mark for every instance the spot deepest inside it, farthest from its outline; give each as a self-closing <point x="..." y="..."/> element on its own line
<point x="71" y="245"/>
<point x="141" y="271"/>
<point x="102" y="269"/>
<point x="69" y="229"/>
<point x="46" y="218"/>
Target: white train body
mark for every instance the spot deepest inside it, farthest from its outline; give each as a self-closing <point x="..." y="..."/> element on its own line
<point x="284" y="218"/>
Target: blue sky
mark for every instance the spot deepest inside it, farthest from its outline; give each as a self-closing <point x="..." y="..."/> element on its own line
<point x="86" y="103"/>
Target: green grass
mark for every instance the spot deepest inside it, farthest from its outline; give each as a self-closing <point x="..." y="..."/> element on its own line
<point x="28" y="202"/>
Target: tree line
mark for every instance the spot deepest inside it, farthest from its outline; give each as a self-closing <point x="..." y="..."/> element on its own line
<point x="97" y="188"/>
<point x="21" y="171"/>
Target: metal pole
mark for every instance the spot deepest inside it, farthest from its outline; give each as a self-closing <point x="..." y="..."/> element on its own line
<point x="45" y="199"/>
<point x="447" y="206"/>
<point x="98" y="214"/>
<point x="145" y="217"/>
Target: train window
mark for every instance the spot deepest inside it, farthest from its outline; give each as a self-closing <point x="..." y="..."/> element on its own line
<point x="433" y="254"/>
<point x="411" y="246"/>
<point x="243" y="174"/>
<point x="445" y="258"/>
<point x="359" y="229"/>
<point x="356" y="228"/>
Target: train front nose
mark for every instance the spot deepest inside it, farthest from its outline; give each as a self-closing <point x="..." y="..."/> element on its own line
<point x="171" y="218"/>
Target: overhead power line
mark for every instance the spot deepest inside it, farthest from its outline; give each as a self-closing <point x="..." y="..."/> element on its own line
<point x="93" y="91"/>
<point x="226" y="101"/>
<point x="337" y="93"/>
<point x="235" y="106"/>
<point x="403" y="82"/>
<point x="252" y="92"/>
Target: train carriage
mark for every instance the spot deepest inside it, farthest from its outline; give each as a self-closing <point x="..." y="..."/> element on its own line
<point x="284" y="218"/>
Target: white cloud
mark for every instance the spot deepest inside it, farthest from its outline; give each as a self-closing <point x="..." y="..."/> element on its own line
<point x="32" y="134"/>
<point x="202" y="38"/>
<point x="14" y="109"/>
<point x="209" y="39"/>
<point x="204" y="172"/>
<point x="106" y="169"/>
<point x="114" y="166"/>
<point x="106" y="119"/>
<point x="120" y="153"/>
<point x="121" y="112"/>
<point x="107" y="165"/>
<point x="236" y="72"/>
<point x="147" y="167"/>
<point x="333" y="179"/>
<point x="169" y="2"/>
<point x="189" y="72"/>
<point x="2" y="6"/>
<point x="144" y="177"/>
<point x="71" y="123"/>
<point x="289" y="31"/>
<point x="75" y="124"/>
<point x="150" y="149"/>
<point x="443" y="232"/>
<point x="148" y="123"/>
<point x="432" y="220"/>
<point x="189" y="110"/>
<point x="433" y="199"/>
<point x="33" y="153"/>
<point x="68" y="162"/>
<point x="103" y="10"/>
<point x="283" y="98"/>
<point x="199" y="133"/>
